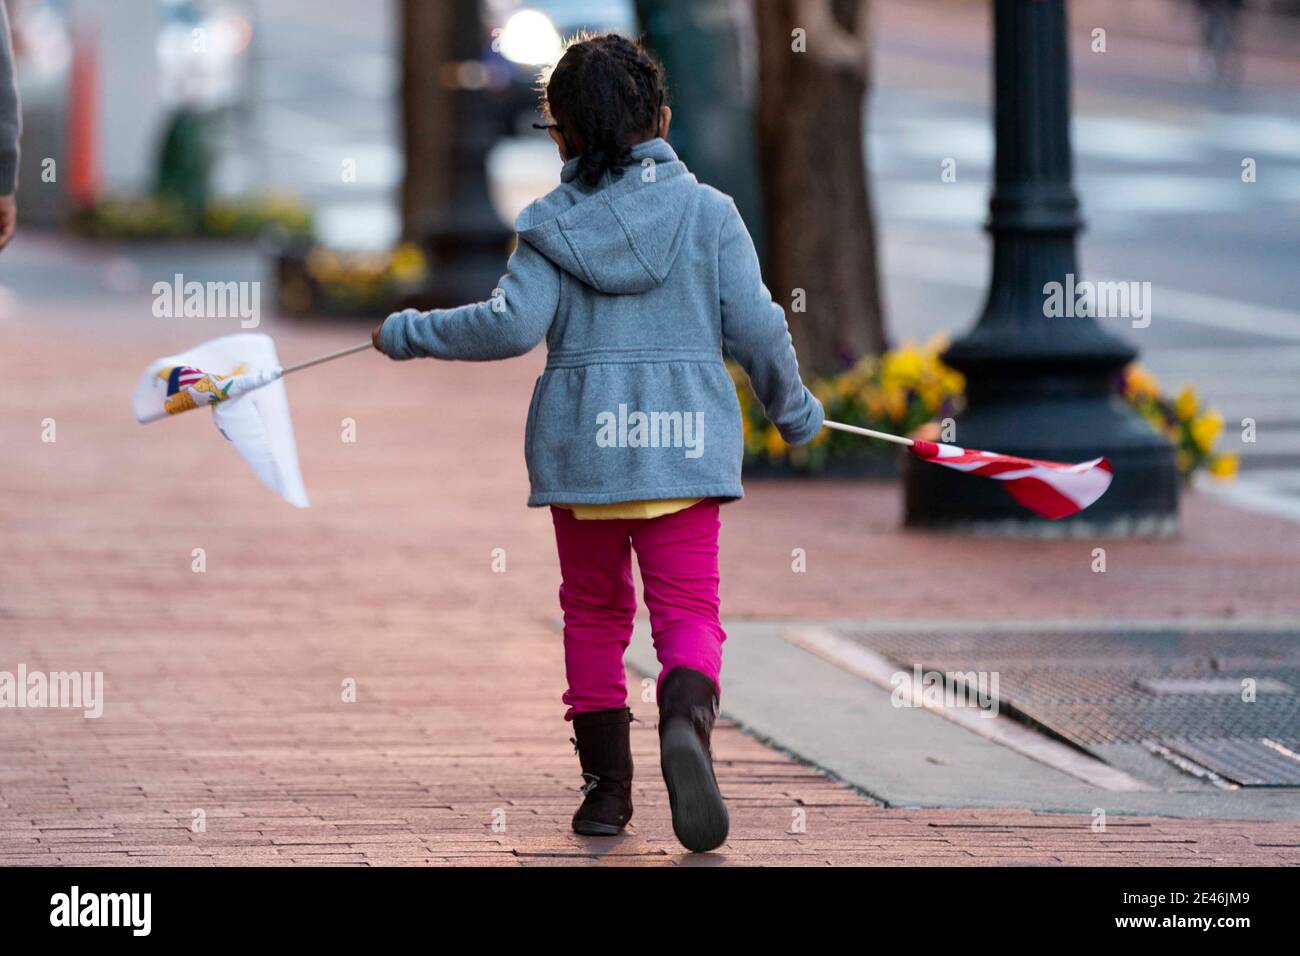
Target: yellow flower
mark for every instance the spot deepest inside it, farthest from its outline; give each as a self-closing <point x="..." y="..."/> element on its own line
<point x="931" y="397"/>
<point x="366" y="269"/>
<point x="220" y="217"/>
<point x="407" y="263"/>
<point x="1206" y="429"/>
<point x="1139" y="383"/>
<point x="1186" y="404"/>
<point x="875" y="407"/>
<point x="322" y="263"/>
<point x="896" y="404"/>
<point x="903" y="364"/>
<point x="1224" y="466"/>
<point x="775" y="445"/>
<point x="283" y="206"/>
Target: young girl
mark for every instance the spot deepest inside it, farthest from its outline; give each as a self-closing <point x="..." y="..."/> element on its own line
<point x="639" y="277"/>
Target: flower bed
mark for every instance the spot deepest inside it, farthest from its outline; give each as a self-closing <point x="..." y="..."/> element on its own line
<point x="323" y="281"/>
<point x="897" y="392"/>
<point x="151" y="217"/>
<point x="1193" y="428"/>
<point x="909" y="387"/>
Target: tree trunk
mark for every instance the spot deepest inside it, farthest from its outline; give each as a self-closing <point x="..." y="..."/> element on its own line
<point x="427" y="113"/>
<point x="821" y="236"/>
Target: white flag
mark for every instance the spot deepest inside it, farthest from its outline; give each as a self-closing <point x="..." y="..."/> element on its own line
<point x="239" y="377"/>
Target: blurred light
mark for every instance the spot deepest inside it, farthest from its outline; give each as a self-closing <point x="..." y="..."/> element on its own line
<point x="231" y="34"/>
<point x="530" y="38"/>
<point x="472" y="75"/>
<point x="203" y="62"/>
<point x="46" y="47"/>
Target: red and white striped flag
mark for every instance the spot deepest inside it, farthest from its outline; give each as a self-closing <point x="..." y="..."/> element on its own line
<point x="1047" y="488"/>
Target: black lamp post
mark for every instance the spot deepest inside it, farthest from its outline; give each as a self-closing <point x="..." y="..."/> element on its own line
<point x="466" y="240"/>
<point x="1040" y="386"/>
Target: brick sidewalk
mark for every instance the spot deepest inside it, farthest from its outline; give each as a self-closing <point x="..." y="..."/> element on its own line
<point x="223" y="689"/>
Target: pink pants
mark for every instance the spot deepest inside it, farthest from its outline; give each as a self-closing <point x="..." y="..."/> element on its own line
<point x="678" y="557"/>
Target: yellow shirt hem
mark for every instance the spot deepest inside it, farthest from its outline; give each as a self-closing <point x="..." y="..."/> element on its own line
<point x="632" y="509"/>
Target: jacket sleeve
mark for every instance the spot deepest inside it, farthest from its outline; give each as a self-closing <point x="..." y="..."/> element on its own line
<point x="510" y="323"/>
<point x="10" y="115"/>
<point x="755" y="334"/>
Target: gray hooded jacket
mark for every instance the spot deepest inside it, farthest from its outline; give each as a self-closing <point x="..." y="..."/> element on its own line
<point x="639" y="286"/>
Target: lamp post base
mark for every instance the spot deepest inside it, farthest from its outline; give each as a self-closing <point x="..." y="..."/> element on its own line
<point x="1040" y="385"/>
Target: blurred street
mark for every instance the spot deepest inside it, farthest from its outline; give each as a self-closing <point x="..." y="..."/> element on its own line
<point x="223" y="687"/>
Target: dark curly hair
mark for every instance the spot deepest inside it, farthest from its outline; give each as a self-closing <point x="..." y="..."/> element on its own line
<point x="603" y="96"/>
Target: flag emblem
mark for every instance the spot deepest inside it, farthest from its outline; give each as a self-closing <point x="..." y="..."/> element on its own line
<point x="189" y="387"/>
<point x="181" y="376"/>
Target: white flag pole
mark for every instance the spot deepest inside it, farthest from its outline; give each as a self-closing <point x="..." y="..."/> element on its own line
<point x="328" y="358"/>
<point x="869" y="433"/>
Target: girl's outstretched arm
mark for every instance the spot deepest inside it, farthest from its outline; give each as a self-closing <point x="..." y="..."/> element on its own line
<point x="510" y="323"/>
<point x="755" y="334"/>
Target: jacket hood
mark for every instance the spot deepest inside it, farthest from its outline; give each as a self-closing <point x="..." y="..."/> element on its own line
<point x="621" y="236"/>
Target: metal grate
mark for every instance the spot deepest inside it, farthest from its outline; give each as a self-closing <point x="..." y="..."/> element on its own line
<point x="1180" y="688"/>
<point x="1251" y="763"/>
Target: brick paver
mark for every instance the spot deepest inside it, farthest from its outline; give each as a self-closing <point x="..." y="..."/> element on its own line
<point x="224" y="688"/>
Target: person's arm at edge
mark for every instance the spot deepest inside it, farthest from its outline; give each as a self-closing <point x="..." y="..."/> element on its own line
<point x="10" y="130"/>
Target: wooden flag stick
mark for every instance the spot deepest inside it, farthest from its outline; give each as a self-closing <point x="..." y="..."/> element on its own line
<point x="328" y="358"/>
<point x="868" y="433"/>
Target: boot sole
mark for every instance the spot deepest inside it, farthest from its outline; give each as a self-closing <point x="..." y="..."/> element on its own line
<point x="594" y="828"/>
<point x="699" y="815"/>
